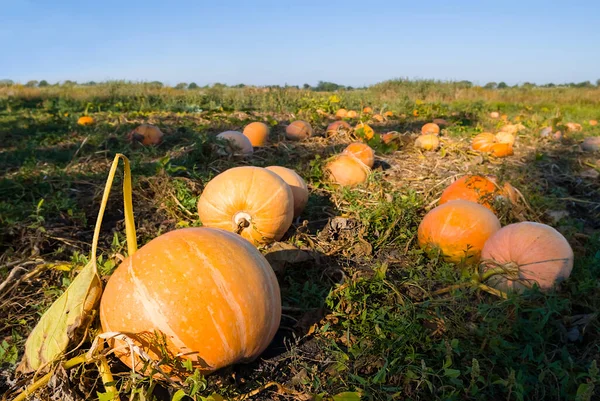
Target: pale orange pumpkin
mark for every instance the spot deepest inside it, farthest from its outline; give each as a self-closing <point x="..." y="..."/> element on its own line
<point x="591" y="144"/>
<point x="427" y="142"/>
<point x="210" y="295"/>
<point x="337" y="127"/>
<point x="341" y="113"/>
<point x="351" y="114"/>
<point x="505" y="137"/>
<point x="480" y="189"/>
<point x="483" y="142"/>
<point x="573" y="127"/>
<point x="494" y="114"/>
<point x="367" y="110"/>
<point x="147" y="134"/>
<point x="502" y="150"/>
<point x="593" y="122"/>
<point x="296" y="183"/>
<point x="251" y="201"/>
<point x="430" y="128"/>
<point x="235" y="143"/>
<point x="378" y="117"/>
<point x="512" y="128"/>
<point x="346" y="171"/>
<point x="85" y="120"/>
<point x="298" y="131"/>
<point x="388" y="114"/>
<point x="457" y="230"/>
<point x="530" y="253"/>
<point x="257" y="133"/>
<point x="362" y="152"/>
<point x="390" y="137"/>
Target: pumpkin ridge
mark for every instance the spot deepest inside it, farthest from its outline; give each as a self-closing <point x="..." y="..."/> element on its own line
<point x="221" y="284"/>
<point x="266" y="203"/>
<point x="153" y="310"/>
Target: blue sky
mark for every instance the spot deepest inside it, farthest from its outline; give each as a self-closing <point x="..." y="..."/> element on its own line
<point x="276" y="42"/>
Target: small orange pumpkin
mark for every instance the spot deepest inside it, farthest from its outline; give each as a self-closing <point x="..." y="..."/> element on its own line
<point x="337" y="127"/>
<point x="236" y="144"/>
<point x="427" y="142"/>
<point x="147" y="134"/>
<point x="530" y="252"/>
<point x="351" y="114"/>
<point x="388" y="114"/>
<point x="298" y="131"/>
<point x="390" y="137"/>
<point x="378" y="117"/>
<point x="367" y="110"/>
<point x="362" y="151"/>
<point x="208" y="293"/>
<point x="494" y="114"/>
<point x="257" y="133"/>
<point x="502" y="150"/>
<point x="85" y="120"/>
<point x="341" y="113"/>
<point x="591" y="144"/>
<point x="593" y="122"/>
<point x="573" y="127"/>
<point x="251" y="201"/>
<point x="483" y="142"/>
<point x="457" y="230"/>
<point x="430" y="128"/>
<point x="346" y="170"/>
<point x="296" y="183"/>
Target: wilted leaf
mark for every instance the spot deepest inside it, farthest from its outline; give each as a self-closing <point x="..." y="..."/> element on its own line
<point x="58" y="326"/>
<point x="282" y="253"/>
<point x="347" y="396"/>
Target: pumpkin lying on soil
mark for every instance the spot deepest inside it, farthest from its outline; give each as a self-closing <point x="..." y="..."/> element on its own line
<point x="346" y="170"/>
<point x="257" y="133"/>
<point x="457" y="230"/>
<point x="352" y="114"/>
<point x="298" y="131"/>
<point x="430" y="128"/>
<point x="85" y="120"/>
<point x="236" y="144"/>
<point x="251" y="201"/>
<point x="202" y="293"/>
<point x="530" y="253"/>
<point x="296" y="183"/>
<point x="341" y="113"/>
<point x="483" y="142"/>
<point x="337" y="127"/>
<point x="427" y="142"/>
<point x="362" y="152"/>
<point x="147" y="134"/>
<point x="484" y="190"/>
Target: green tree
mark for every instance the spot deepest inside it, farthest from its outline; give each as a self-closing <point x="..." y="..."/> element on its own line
<point x="491" y="85"/>
<point x="43" y="83"/>
<point x="6" y="82"/>
<point x="32" y="84"/>
<point x="502" y="85"/>
<point x="181" y="85"/>
<point x="193" y="85"/>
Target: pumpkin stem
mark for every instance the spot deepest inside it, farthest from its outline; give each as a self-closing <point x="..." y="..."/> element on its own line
<point x="510" y="270"/>
<point x="242" y="221"/>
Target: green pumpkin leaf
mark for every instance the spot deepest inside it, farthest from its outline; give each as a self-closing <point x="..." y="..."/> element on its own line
<point x="347" y="396"/>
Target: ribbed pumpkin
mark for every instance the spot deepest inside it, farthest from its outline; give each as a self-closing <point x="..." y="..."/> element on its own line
<point x="367" y="110"/>
<point x="346" y="170"/>
<point x="296" y="183"/>
<point x="298" y="131"/>
<point x="479" y="189"/>
<point x="457" y="230"/>
<point x="352" y="114"/>
<point x="208" y="292"/>
<point x="236" y="143"/>
<point x="430" y="128"/>
<point x="257" y="133"/>
<point x="341" y="113"/>
<point x="483" y="142"/>
<point x="251" y="201"/>
<point x="362" y="152"/>
<point x="530" y="252"/>
<point x="85" y="120"/>
<point x="147" y="134"/>
<point x="337" y="127"/>
<point x="427" y="142"/>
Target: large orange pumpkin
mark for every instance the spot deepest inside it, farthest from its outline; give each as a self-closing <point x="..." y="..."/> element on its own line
<point x="337" y="127"/>
<point x="427" y="142"/>
<point x="529" y="252"/>
<point x="298" y="131"/>
<point x="483" y="142"/>
<point x="204" y="293"/>
<point x="346" y="170"/>
<point x="457" y="230"/>
<point x="362" y="151"/>
<point x="251" y="201"/>
<point x="480" y="189"/>
<point x="501" y="150"/>
<point x="85" y="120"/>
<point x="257" y="133"/>
<point x="296" y="183"/>
<point x="236" y="143"/>
<point x="430" y="128"/>
<point x="341" y="113"/>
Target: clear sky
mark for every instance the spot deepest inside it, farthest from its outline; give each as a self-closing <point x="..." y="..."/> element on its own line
<point x="276" y="42"/>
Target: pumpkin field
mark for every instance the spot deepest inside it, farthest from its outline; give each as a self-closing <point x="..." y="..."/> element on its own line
<point x="412" y="240"/>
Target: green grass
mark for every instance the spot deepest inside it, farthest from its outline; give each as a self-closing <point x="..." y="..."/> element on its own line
<point x="359" y="317"/>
